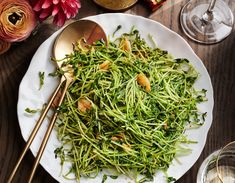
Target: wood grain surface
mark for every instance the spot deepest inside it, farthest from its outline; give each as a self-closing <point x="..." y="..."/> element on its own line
<point x="219" y="60"/>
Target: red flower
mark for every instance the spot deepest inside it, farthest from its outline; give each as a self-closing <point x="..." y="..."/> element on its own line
<point x="61" y="10"/>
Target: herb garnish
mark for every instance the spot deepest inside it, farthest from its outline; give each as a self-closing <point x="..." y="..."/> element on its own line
<point x="31" y="111"/>
<point x="41" y="79"/>
<point x="170" y="179"/>
<point x="104" y="178"/>
<point x="117" y="29"/>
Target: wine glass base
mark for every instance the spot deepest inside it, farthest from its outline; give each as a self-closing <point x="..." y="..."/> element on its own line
<point x="206" y="27"/>
<point x="207" y="171"/>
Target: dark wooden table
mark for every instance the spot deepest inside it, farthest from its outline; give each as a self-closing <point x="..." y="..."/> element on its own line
<point x="219" y="60"/>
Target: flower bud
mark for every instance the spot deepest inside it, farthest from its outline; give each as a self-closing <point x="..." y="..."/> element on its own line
<point x="17" y="20"/>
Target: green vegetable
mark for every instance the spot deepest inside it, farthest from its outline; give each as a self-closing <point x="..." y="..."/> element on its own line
<point x="41" y="79"/>
<point x="104" y="178"/>
<point x="31" y="111"/>
<point x="111" y="118"/>
<point x="171" y="179"/>
<point x="113" y="176"/>
<point x="118" y="28"/>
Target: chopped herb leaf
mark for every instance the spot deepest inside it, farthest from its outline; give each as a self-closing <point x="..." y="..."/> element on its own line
<point x="41" y="78"/>
<point x="204" y="116"/>
<point x="113" y="176"/>
<point x="181" y="60"/>
<point x="117" y="29"/>
<point x="170" y="179"/>
<point x="31" y="111"/>
<point x="104" y="178"/>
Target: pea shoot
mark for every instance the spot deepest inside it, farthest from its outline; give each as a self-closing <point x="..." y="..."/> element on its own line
<point x="41" y="79"/>
<point x="127" y="108"/>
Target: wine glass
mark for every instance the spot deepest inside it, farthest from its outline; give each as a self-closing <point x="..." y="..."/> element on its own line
<point x="219" y="167"/>
<point x="206" y="21"/>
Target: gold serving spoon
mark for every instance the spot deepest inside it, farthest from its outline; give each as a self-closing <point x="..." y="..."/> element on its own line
<point x="63" y="45"/>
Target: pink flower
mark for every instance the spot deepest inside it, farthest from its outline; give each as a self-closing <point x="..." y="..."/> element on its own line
<point x="61" y="10"/>
<point x="17" y="20"/>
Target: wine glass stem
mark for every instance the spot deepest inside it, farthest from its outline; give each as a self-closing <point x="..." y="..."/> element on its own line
<point x="211" y="6"/>
<point x="208" y="15"/>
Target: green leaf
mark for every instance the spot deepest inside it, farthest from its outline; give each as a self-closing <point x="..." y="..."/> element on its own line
<point x="41" y="79"/>
<point x="113" y="176"/>
<point x="117" y="29"/>
<point x="170" y="179"/>
<point x="104" y="178"/>
<point x="31" y="111"/>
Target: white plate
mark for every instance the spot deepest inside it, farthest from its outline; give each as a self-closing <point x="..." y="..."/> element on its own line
<point x="30" y="96"/>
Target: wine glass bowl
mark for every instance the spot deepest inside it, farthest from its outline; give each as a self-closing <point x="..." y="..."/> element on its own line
<point x="225" y="163"/>
<point x="206" y="21"/>
<point x="218" y="167"/>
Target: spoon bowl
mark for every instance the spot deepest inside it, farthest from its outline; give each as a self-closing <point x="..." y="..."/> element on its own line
<point x="86" y="29"/>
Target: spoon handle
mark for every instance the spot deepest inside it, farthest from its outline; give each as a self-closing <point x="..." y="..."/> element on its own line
<point x="48" y="132"/>
<point x="35" y="130"/>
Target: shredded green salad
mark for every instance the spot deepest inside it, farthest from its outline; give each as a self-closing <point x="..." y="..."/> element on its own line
<point x="127" y="108"/>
